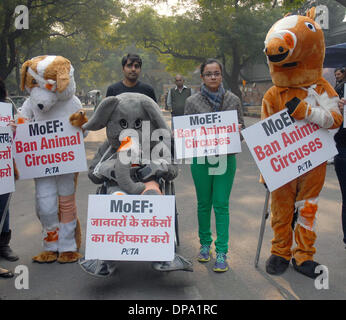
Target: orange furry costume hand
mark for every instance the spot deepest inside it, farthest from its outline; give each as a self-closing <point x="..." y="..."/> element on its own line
<point x="297" y="108"/>
<point x="78" y="118"/>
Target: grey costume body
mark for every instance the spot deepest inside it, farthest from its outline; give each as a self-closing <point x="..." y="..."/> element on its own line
<point x="129" y="111"/>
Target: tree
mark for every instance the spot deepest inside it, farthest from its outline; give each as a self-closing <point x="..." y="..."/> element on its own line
<point x="230" y="30"/>
<point x="48" y="20"/>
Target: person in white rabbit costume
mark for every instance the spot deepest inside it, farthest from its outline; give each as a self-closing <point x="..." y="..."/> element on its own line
<point x="50" y="83"/>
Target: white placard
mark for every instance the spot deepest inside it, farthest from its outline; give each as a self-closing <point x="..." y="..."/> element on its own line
<point x="6" y="161"/>
<point x="206" y="134"/>
<point x="285" y="149"/>
<point x="5" y="113"/>
<point x="48" y="148"/>
<point x="130" y="227"/>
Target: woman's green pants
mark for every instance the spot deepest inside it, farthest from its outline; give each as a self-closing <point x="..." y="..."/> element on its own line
<point x="213" y="190"/>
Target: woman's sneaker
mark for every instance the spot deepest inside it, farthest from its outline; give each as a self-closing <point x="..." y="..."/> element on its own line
<point x="204" y="253"/>
<point x="221" y="263"/>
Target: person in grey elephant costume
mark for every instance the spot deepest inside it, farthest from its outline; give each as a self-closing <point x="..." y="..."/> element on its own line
<point x="131" y="118"/>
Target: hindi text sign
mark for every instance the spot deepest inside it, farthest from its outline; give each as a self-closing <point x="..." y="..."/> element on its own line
<point x="285" y="149"/>
<point x="130" y="227"/>
<point x="48" y="148"/>
<point x="5" y="113"/>
<point x="206" y="134"/>
<point x="6" y="161"/>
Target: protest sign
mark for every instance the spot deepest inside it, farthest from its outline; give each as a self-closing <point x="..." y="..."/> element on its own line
<point x="130" y="227"/>
<point x="5" y="113"/>
<point x="206" y="134"/>
<point x="48" y="148"/>
<point x="6" y="161"/>
<point x="285" y="149"/>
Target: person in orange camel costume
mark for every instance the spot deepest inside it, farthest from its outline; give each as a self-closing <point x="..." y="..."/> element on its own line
<point x="295" y="49"/>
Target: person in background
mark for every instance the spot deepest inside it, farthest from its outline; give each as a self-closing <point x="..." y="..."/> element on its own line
<point x="5" y="234"/>
<point x="340" y="140"/>
<point x="177" y="96"/>
<point x="213" y="190"/>
<point x="340" y="77"/>
<point x="97" y="100"/>
<point x="132" y="66"/>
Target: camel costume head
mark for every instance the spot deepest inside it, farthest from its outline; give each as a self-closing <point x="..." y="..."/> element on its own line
<point x="295" y="49"/>
<point x="48" y="79"/>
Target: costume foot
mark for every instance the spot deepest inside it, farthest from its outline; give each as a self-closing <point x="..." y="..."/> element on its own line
<point x="69" y="257"/>
<point x="98" y="268"/>
<point x="178" y="264"/>
<point x="276" y="265"/>
<point x="46" y="257"/>
<point x="307" y="268"/>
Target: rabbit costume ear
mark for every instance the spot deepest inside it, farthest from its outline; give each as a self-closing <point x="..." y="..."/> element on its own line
<point x="102" y="114"/>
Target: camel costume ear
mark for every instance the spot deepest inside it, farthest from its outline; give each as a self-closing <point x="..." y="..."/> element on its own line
<point x="102" y="114"/>
<point x="311" y="13"/>
<point x="23" y="72"/>
<point x="155" y="114"/>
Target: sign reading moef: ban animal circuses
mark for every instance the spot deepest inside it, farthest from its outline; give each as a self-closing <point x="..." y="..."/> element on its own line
<point x="285" y="149"/>
<point x="48" y="148"/>
<point x="206" y="134"/>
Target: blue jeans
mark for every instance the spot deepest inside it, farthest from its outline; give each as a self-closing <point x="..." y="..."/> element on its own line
<point x="340" y="169"/>
<point x="3" y="200"/>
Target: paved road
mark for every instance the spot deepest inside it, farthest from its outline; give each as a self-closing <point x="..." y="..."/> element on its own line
<point x="137" y="281"/>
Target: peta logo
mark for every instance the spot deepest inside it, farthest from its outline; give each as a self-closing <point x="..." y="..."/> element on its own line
<point x="322" y="280"/>
<point x="22" y="20"/>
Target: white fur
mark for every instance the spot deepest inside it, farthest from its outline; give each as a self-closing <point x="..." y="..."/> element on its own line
<point x="56" y="105"/>
<point x="285" y="23"/>
<point x="43" y="64"/>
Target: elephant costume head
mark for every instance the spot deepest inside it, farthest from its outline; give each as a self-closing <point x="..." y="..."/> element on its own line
<point x="127" y="111"/>
<point x="138" y="117"/>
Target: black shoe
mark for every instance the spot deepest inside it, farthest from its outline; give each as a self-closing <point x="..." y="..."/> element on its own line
<point x="276" y="265"/>
<point x="4" y="273"/>
<point x="5" y="250"/>
<point x="307" y="268"/>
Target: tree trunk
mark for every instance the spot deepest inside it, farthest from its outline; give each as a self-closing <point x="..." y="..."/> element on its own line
<point x="232" y="78"/>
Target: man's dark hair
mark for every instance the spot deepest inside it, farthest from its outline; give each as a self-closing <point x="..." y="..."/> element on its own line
<point x="132" y="57"/>
<point x="210" y="61"/>
<point x="3" y="93"/>
<point x="341" y="69"/>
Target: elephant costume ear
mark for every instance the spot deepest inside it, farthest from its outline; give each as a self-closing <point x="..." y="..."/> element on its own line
<point x="102" y="114"/>
<point x="155" y="114"/>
